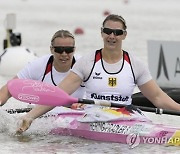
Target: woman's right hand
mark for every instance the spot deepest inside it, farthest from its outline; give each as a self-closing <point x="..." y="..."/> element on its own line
<point x="25" y="123"/>
<point x="78" y="106"/>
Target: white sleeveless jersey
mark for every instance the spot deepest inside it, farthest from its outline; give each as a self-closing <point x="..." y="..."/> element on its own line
<point x="42" y="69"/>
<point x="53" y="76"/>
<point x="116" y="87"/>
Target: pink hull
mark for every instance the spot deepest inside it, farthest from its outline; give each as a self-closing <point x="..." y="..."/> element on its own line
<point x="106" y="137"/>
<point x="117" y="131"/>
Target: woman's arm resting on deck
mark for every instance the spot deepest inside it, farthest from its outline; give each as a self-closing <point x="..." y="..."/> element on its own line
<point x="158" y="97"/>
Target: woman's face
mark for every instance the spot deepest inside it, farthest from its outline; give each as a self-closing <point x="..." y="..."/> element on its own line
<point x="63" y="51"/>
<point x="113" y="34"/>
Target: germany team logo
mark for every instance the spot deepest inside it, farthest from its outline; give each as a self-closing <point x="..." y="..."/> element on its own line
<point x="112" y="82"/>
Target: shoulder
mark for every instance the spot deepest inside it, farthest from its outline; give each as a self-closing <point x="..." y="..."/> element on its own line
<point x="40" y="62"/>
<point x="137" y="62"/>
<point x="77" y="56"/>
<point x="87" y="57"/>
<point x="84" y="65"/>
<point x="134" y="59"/>
<point x="35" y="68"/>
<point x="42" y="59"/>
<point x="140" y="69"/>
<point x="84" y="60"/>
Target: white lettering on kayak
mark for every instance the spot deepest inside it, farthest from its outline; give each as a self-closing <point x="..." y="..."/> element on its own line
<point x="109" y="128"/>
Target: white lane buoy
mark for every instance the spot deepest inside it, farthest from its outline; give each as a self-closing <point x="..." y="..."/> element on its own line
<point x="14" y="59"/>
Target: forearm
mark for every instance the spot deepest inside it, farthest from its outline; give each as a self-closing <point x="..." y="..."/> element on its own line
<point x="71" y="83"/>
<point x="158" y="97"/>
<point x="38" y="111"/>
<point x="4" y="94"/>
<point x="166" y="102"/>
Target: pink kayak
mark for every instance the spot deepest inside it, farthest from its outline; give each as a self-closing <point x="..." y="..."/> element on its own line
<point x="127" y="131"/>
<point x="112" y="125"/>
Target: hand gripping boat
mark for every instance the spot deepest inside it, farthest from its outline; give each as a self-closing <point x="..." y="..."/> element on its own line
<point x="122" y="125"/>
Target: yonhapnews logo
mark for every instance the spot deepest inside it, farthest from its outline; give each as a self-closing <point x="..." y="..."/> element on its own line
<point x="134" y="139"/>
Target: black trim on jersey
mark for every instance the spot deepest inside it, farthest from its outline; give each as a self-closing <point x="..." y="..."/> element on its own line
<point x="50" y="64"/>
<point x="73" y="61"/>
<point x="95" y="60"/>
<point x="114" y="72"/>
<point x="125" y="52"/>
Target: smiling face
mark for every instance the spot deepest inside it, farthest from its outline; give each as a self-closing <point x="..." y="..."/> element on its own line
<point x="111" y="35"/>
<point x="63" y="60"/>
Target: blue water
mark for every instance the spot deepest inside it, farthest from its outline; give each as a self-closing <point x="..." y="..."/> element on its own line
<point x="37" y="20"/>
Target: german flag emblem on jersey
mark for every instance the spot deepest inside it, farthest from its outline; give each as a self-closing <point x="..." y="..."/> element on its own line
<point x="112" y="82"/>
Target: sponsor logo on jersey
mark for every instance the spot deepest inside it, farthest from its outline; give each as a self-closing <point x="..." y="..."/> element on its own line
<point x="110" y="97"/>
<point x="97" y="75"/>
